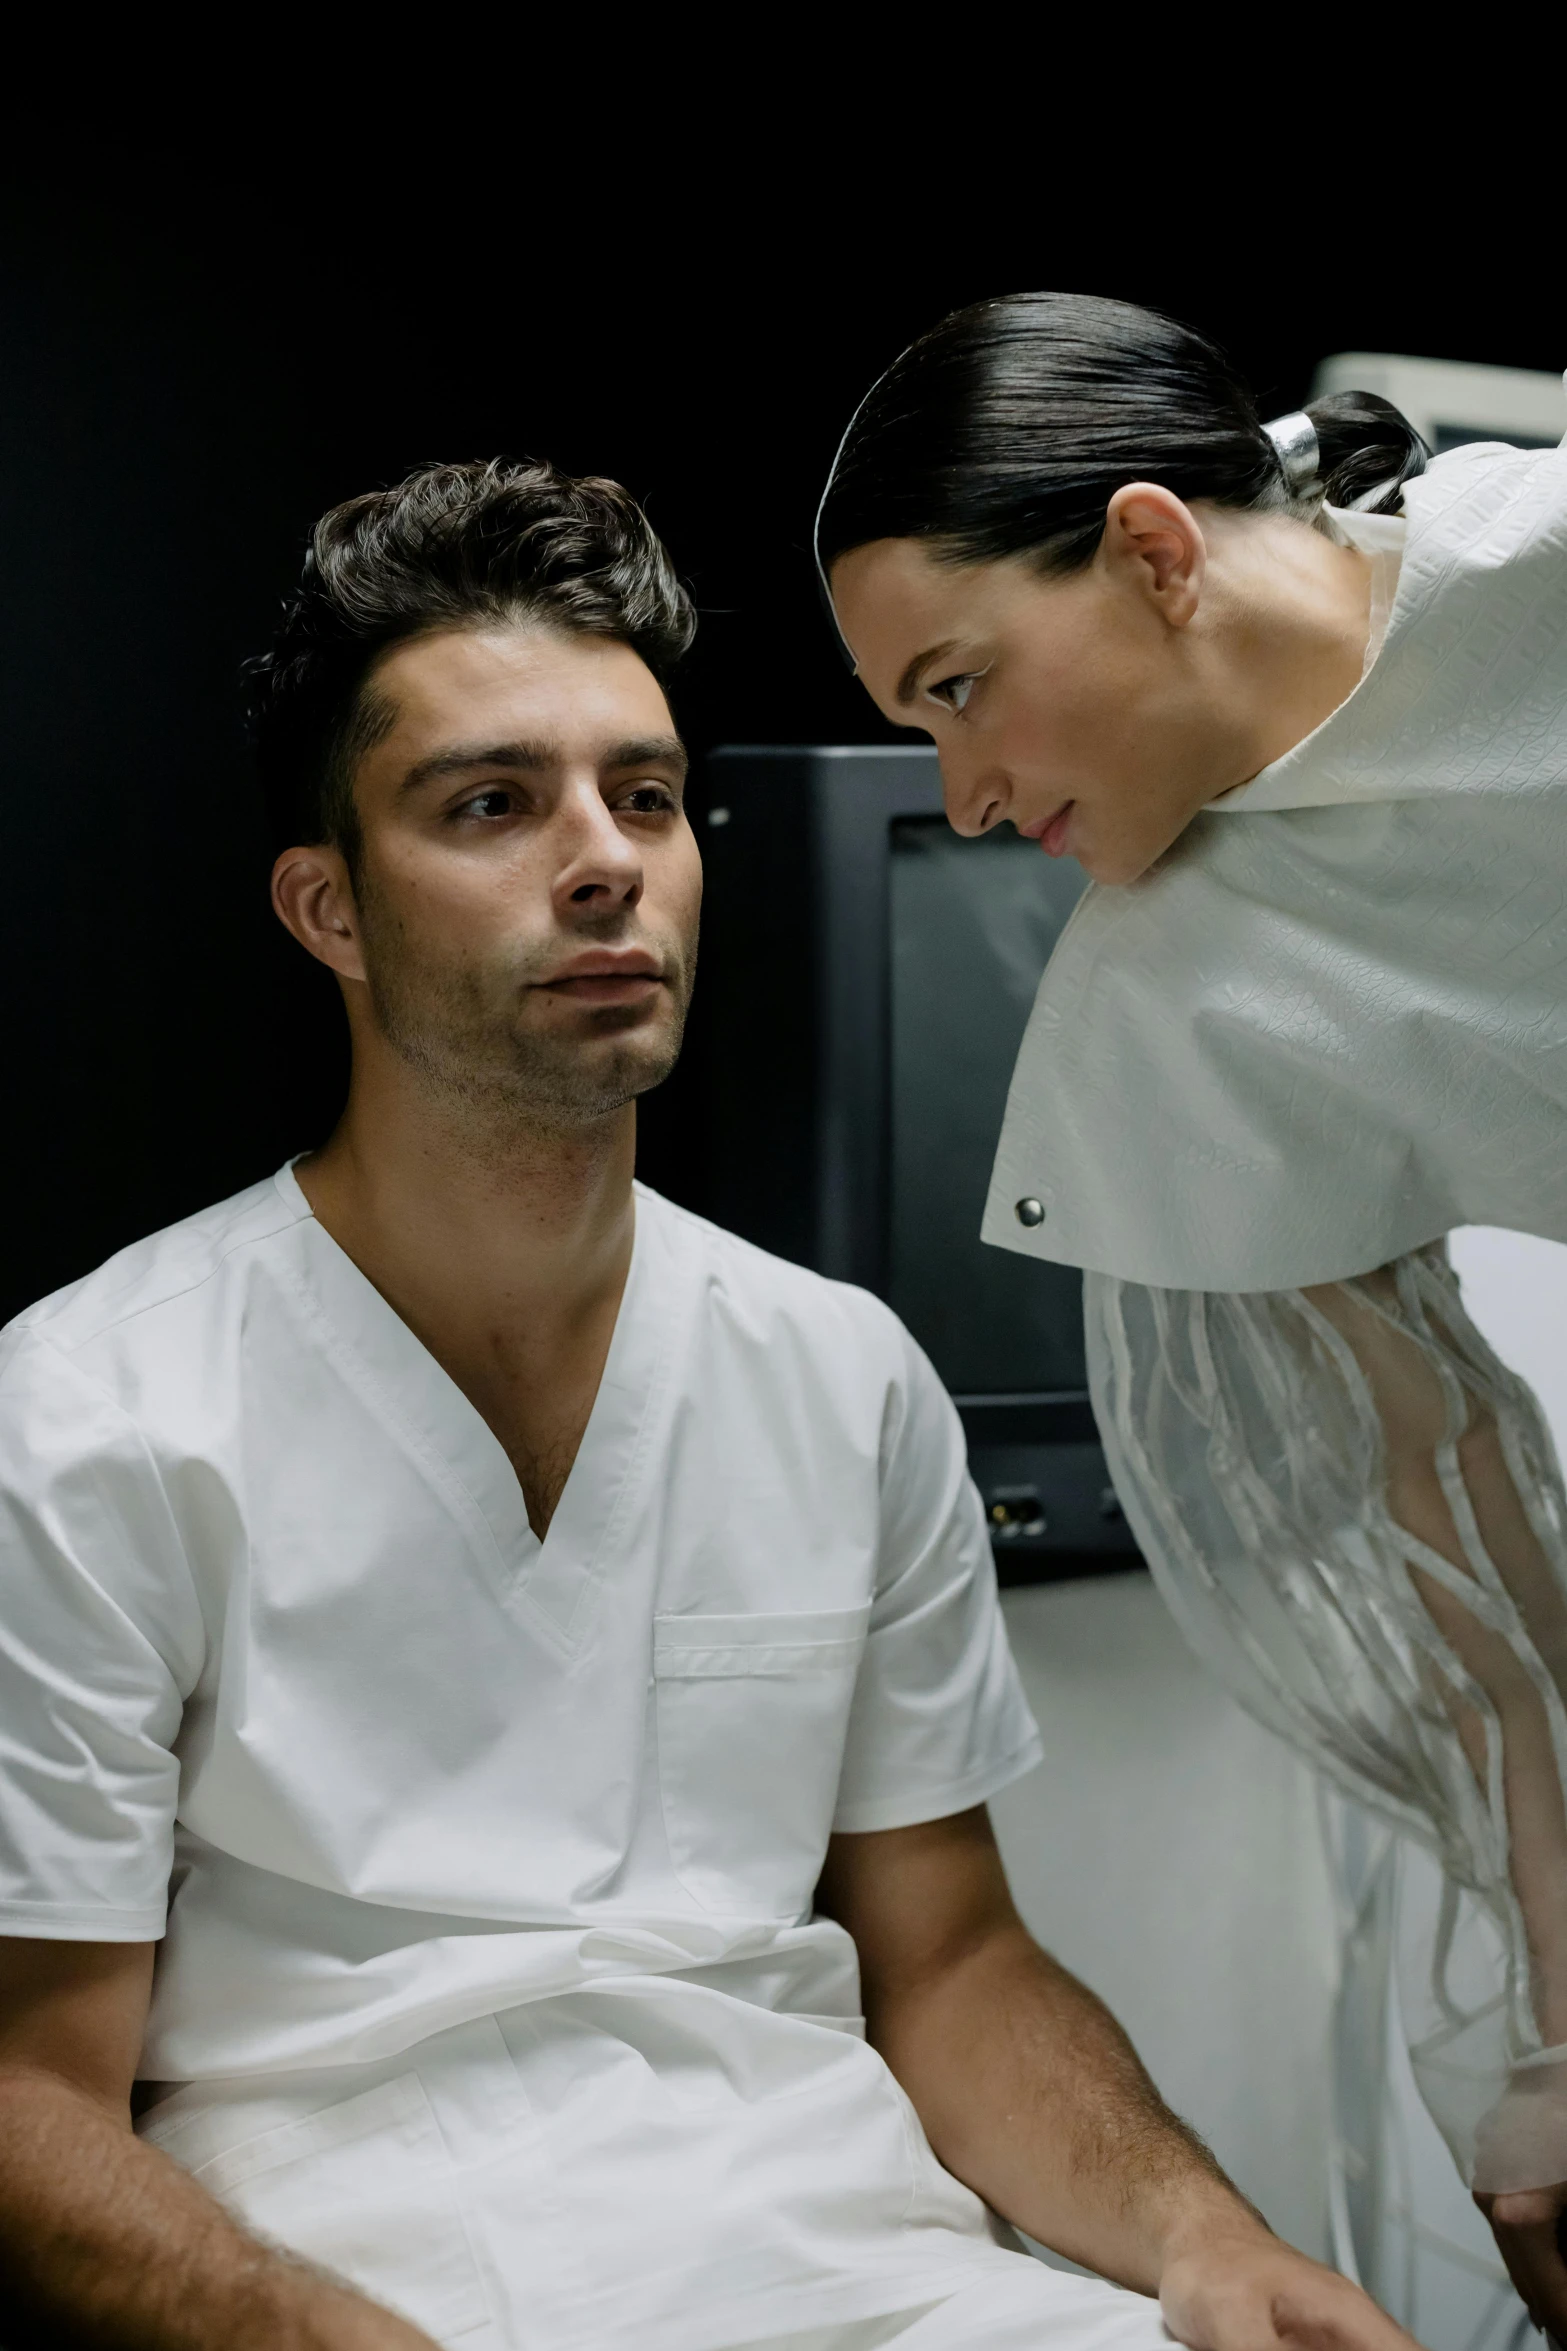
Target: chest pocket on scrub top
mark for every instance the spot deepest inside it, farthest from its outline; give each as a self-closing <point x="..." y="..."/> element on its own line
<point x="753" y="1711"/>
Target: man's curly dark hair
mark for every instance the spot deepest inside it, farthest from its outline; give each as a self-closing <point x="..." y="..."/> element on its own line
<point x="451" y="546"/>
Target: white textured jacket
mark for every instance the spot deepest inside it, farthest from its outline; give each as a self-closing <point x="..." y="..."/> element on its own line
<point x="1331" y="1024"/>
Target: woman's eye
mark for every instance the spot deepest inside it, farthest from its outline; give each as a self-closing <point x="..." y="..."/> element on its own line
<point x="953" y="693"/>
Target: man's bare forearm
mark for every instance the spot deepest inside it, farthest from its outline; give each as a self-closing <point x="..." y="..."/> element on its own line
<point x="107" y="2245"/>
<point x="1031" y="2094"/>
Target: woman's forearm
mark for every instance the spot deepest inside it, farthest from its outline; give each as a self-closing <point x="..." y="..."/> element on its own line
<point x="104" y="2242"/>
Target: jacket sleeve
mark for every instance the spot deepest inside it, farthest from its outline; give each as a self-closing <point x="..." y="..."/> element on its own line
<point x="1356" y="1512"/>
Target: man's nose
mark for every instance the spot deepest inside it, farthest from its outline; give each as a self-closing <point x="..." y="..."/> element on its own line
<point x="600" y="869"/>
<point x="975" y="800"/>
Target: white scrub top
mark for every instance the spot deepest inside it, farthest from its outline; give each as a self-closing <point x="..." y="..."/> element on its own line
<point x="280" y="1652"/>
<point x="1331" y="1024"/>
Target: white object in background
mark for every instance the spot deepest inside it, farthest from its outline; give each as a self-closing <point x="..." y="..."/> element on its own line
<point x="1403" y="2221"/>
<point x="1448" y="401"/>
<point x="1169" y="1853"/>
<point x="1515" y="1287"/>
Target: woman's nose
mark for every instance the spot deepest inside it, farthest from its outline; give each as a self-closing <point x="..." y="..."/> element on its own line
<point x="974" y="802"/>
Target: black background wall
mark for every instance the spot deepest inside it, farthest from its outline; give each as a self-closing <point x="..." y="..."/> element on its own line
<point x="187" y="379"/>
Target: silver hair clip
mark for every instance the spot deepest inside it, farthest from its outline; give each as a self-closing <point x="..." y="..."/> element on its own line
<point x="1299" y="453"/>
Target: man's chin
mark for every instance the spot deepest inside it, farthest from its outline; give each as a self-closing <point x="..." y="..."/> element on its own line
<point x="594" y="1075"/>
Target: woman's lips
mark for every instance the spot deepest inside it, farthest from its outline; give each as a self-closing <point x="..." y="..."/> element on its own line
<point x="1051" y="831"/>
<point x="1053" y="839"/>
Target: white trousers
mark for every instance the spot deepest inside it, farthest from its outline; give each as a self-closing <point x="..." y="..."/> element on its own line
<point x="1024" y="2307"/>
<point x="446" y="2184"/>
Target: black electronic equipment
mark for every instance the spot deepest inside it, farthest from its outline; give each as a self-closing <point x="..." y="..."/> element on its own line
<point x="866" y="977"/>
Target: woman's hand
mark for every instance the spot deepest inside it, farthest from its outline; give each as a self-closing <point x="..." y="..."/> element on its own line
<point x="1527" y="2226"/>
<point x="1248" y="2291"/>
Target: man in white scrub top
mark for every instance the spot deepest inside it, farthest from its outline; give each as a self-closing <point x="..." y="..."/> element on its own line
<point x="496" y="1676"/>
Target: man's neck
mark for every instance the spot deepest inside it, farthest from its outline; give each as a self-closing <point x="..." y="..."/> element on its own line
<point x="533" y="1212"/>
<point x="504" y="1244"/>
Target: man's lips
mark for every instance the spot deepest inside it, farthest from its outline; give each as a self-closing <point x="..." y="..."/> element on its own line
<point x="604" y="977"/>
<point x="1051" y="831"/>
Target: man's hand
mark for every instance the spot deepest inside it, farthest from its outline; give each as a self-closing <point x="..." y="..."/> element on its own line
<point x="1030" y="2092"/>
<point x="1236" y="2288"/>
<point x="1527" y="2226"/>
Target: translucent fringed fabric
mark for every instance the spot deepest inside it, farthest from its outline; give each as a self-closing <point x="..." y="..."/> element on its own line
<point x="1356" y="1512"/>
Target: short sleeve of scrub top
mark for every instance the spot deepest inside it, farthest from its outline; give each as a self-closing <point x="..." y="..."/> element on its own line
<point x="939" y="1721"/>
<point x="100" y="1641"/>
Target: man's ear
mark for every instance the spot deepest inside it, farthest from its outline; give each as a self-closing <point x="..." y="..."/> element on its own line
<point x="313" y="897"/>
<point x="1154" y="546"/>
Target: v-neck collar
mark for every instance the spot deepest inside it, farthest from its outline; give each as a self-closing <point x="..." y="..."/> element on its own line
<point x="553" y="1584"/>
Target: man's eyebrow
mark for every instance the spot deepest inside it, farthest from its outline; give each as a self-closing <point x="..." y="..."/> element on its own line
<point x="651" y="751"/>
<point x="529" y="758"/>
<point x="910" y="677"/>
<point x="460" y="758"/>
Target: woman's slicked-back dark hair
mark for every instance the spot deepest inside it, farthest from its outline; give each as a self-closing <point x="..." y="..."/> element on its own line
<point x="452" y="546"/>
<point x="1009" y="427"/>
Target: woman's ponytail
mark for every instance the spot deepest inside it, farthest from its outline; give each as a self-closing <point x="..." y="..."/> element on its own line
<point x="1009" y="427"/>
<point x="1368" y="451"/>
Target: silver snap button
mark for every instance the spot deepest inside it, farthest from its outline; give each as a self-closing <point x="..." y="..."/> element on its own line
<point x="1030" y="1212"/>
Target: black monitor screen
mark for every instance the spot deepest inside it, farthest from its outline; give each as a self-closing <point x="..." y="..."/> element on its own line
<point x="973" y="923"/>
<point x="1460" y="436"/>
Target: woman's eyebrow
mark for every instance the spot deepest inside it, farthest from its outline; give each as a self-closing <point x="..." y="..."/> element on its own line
<point x="911" y="676"/>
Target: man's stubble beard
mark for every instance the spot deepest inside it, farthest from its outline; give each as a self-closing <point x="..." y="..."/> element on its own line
<point x="457" y="1026"/>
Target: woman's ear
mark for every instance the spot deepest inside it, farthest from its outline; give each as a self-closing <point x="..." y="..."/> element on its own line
<point x="1153" y="547"/>
<point x="313" y="897"/>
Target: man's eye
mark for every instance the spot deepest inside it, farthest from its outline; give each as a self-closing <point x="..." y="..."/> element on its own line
<point x="952" y="693"/>
<point x="649" y="800"/>
<point x="496" y="802"/>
